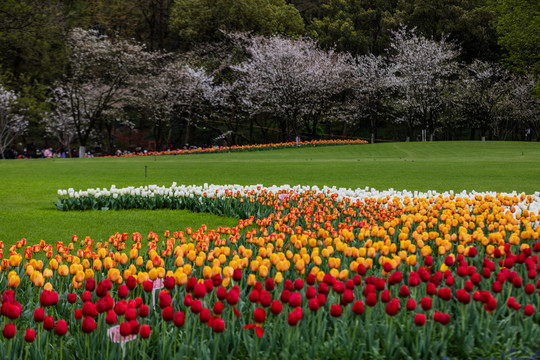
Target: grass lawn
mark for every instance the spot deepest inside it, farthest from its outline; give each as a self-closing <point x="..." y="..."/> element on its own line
<point x="28" y="187"/>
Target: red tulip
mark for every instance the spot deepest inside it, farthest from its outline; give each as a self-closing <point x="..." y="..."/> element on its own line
<point x="169" y="282"/>
<point x="371" y="299"/>
<point x="293" y="319"/>
<point x="313" y="304"/>
<point x="336" y="310"/>
<point x="9" y="331"/>
<point x="120" y="307"/>
<point x="131" y="283"/>
<point x="431" y="289"/>
<point x="123" y="291"/>
<point x="358" y="307"/>
<point x="90" y="284"/>
<point x="269" y="284"/>
<point x="165" y="299"/>
<point x="385" y="296"/>
<point x="111" y="319"/>
<point x="276" y="307"/>
<point x="88" y="325"/>
<point x="295" y="300"/>
<point x="72" y="298"/>
<point x="528" y="310"/>
<point x="48" y="323"/>
<point x="392" y="308"/>
<point x="61" y="328"/>
<point x="218" y="326"/>
<point x="218" y="308"/>
<point x="168" y="313"/>
<point x="89" y="309"/>
<point x="77" y="314"/>
<point x="148" y="286"/>
<point x="199" y="291"/>
<point x="237" y="275"/>
<point x="425" y="303"/>
<point x="86" y="296"/>
<point x="404" y="291"/>
<point x="419" y="319"/>
<point x="125" y="328"/>
<point x="143" y="310"/>
<point x="298" y="284"/>
<point x="134" y="324"/>
<point x="30" y="335"/>
<point x="179" y="319"/>
<point x="131" y="314"/>
<point x="254" y="296"/>
<point x="145" y="331"/>
<point x="196" y="306"/>
<point x="221" y="293"/>
<point x="232" y="298"/>
<point x="265" y="298"/>
<point x="411" y="305"/>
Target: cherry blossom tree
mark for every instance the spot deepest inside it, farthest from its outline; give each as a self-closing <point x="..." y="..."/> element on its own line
<point x="495" y="101"/>
<point x="100" y="73"/>
<point x="178" y="91"/>
<point x="372" y="83"/>
<point x="423" y="69"/>
<point x="294" y="80"/>
<point x="12" y="124"/>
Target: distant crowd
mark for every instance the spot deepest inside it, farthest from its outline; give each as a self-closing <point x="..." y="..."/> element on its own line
<point x="32" y="152"/>
<point x="47" y="153"/>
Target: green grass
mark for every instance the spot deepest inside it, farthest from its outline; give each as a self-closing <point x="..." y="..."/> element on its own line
<point x="28" y="187"/>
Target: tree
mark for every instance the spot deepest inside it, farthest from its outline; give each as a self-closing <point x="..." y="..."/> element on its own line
<point x="294" y="80"/>
<point x="373" y="82"/>
<point x="60" y="123"/>
<point x="198" y="21"/>
<point x="423" y="70"/>
<point x="177" y="91"/>
<point x="483" y="91"/>
<point x="518" y="26"/>
<point x="356" y="26"/>
<point x="12" y="124"/>
<point x="465" y="22"/>
<point x="99" y="78"/>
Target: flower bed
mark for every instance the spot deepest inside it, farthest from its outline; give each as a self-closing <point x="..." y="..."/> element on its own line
<point x="306" y="273"/>
<point x="240" y="148"/>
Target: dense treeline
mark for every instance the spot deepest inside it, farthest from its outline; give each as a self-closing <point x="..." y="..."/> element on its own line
<point x="109" y="75"/>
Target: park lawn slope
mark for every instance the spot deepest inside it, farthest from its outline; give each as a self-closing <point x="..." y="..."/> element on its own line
<point x="28" y="188"/>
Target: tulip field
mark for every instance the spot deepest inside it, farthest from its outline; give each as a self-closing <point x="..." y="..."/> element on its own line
<point x="293" y="272"/>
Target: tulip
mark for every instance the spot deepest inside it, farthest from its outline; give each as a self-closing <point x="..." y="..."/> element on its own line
<point x="9" y="331"/>
<point x="336" y="310"/>
<point x="148" y="286"/>
<point x="179" y="319"/>
<point x="125" y="328"/>
<point x="145" y="331"/>
<point x="72" y="298"/>
<point x="168" y="313"/>
<point x="218" y="326"/>
<point x="419" y="319"/>
<point x="425" y="303"/>
<point x="48" y="323"/>
<point x="88" y="325"/>
<point x="61" y="328"/>
<point x="276" y="307"/>
<point x="30" y="335"/>
<point x="196" y="306"/>
<point x="123" y="291"/>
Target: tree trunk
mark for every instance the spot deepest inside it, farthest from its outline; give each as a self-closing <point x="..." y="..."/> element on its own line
<point x="82" y="151"/>
<point x="373" y="138"/>
<point x="186" y="138"/>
